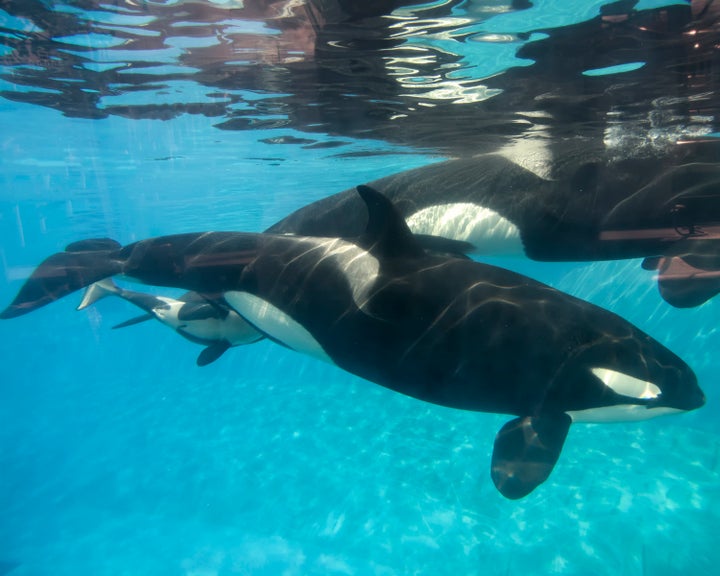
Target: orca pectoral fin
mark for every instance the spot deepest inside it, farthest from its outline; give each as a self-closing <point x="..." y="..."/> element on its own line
<point x="212" y="353"/>
<point x="133" y="321"/>
<point x="197" y="311"/>
<point x="526" y="450"/>
<point x="222" y="308"/>
<point x="651" y="263"/>
<point x="683" y="284"/>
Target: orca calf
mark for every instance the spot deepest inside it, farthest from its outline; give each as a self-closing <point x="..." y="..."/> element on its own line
<point x="202" y="320"/>
<point x="449" y="331"/>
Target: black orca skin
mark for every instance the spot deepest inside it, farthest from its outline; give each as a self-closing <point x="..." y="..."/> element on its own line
<point x="449" y="331"/>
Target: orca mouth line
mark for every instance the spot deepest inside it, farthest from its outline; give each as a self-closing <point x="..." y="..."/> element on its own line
<point x="650" y="403"/>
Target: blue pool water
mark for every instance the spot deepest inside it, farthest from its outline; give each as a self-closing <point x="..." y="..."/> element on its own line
<point x="119" y="456"/>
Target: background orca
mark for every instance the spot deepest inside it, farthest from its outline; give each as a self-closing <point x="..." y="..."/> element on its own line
<point x="449" y="331"/>
<point x="200" y="319"/>
<point x="587" y="207"/>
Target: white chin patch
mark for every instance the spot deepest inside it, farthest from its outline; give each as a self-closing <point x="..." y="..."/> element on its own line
<point x="275" y="323"/>
<point x="485" y="229"/>
<point x="626" y="385"/>
<point x="620" y="413"/>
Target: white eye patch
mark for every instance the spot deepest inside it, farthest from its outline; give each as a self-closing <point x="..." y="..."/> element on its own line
<point x="627" y="385"/>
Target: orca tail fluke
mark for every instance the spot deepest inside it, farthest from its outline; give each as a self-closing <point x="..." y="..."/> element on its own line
<point x="98" y="291"/>
<point x="683" y="284"/>
<point x="82" y="264"/>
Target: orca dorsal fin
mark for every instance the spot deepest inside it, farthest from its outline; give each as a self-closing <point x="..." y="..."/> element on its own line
<point x="387" y="234"/>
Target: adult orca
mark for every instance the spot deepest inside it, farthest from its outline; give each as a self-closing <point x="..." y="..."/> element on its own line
<point x="584" y="206"/>
<point x="200" y="319"/>
<point x="449" y="331"/>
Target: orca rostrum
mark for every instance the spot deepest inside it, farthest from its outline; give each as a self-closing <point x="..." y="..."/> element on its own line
<point x="449" y="331"/>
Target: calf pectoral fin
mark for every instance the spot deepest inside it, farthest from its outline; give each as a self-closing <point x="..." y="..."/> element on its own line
<point x="212" y="353"/>
<point x="526" y="450"/>
<point x="198" y="311"/>
<point x="133" y="321"/>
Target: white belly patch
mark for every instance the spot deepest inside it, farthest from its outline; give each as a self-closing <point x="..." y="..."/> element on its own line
<point x="275" y="323"/>
<point x="485" y="229"/>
